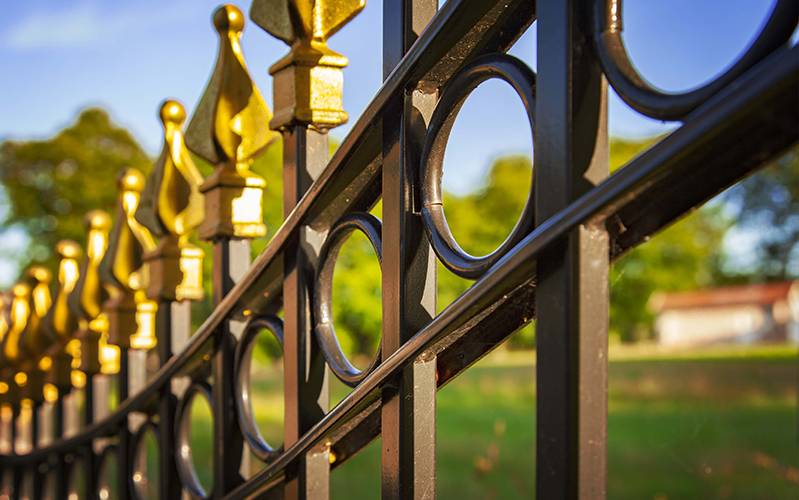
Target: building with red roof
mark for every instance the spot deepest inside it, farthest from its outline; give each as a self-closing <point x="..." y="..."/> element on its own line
<point x="764" y="312"/>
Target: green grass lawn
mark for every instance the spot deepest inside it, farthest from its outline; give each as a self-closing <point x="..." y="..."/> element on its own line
<point x="717" y="423"/>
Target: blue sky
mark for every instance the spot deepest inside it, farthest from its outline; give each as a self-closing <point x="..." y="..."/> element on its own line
<point x="61" y="56"/>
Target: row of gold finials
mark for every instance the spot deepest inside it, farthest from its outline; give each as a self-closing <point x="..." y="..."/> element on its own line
<point x="107" y="300"/>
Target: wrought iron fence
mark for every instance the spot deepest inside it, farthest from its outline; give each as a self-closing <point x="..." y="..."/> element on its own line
<point x="132" y="290"/>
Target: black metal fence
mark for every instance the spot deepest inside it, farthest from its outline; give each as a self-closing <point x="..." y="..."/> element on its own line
<point x="133" y="289"/>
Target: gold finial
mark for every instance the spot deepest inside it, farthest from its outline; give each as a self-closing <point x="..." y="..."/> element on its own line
<point x="87" y="297"/>
<point x="20" y="312"/>
<point x="10" y="368"/>
<point x="108" y="354"/>
<point x="123" y="267"/>
<point x="35" y="340"/>
<point x="171" y="207"/>
<point x="59" y="320"/>
<point x="230" y="122"/>
<point x="229" y="129"/>
<point x="144" y="338"/>
<point x="5" y="318"/>
<point x="308" y="81"/>
<point x="171" y="203"/>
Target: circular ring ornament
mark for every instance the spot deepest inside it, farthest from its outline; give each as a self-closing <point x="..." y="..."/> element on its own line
<point x="519" y="76"/>
<point x="136" y="443"/>
<point x="183" y="455"/>
<point x="258" y="445"/>
<point x="323" y="291"/>
<point x="652" y="102"/>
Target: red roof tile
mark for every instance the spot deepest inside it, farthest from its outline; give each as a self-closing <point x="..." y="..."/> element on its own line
<point x="760" y="294"/>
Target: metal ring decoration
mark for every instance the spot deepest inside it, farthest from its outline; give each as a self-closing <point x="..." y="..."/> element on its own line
<point x="135" y="444"/>
<point x="648" y="100"/>
<point x="244" y="411"/>
<point x="323" y="291"/>
<point x="522" y="79"/>
<point x="183" y="455"/>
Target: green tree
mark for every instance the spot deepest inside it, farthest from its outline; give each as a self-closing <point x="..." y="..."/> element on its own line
<point x="50" y="184"/>
<point x="481" y="221"/>
<point x="765" y="208"/>
<point x="683" y="256"/>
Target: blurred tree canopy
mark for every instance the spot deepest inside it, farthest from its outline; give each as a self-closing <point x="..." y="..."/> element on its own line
<point x="765" y="207"/>
<point x="50" y="184"/>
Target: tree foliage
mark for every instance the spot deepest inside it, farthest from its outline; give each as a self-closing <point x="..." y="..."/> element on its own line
<point x="50" y="184"/>
<point x="765" y="208"/>
<point x="683" y="256"/>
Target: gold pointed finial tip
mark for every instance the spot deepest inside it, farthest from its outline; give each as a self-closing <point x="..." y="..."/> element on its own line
<point x="68" y="249"/>
<point x="228" y="18"/>
<point x="97" y="219"/>
<point x="40" y="274"/>
<point x="172" y="112"/>
<point x="21" y="290"/>
<point x="130" y="179"/>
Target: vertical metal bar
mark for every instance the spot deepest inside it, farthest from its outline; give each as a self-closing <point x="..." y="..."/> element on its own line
<point x="231" y="259"/>
<point x="305" y="154"/>
<point x="17" y="480"/>
<point x="137" y="380"/>
<point x="88" y="419"/>
<point x="571" y="156"/>
<point x="168" y="485"/>
<point x="6" y="447"/>
<point x="37" y="426"/>
<point x="34" y="425"/>
<point x="124" y="435"/>
<point x="62" y="478"/>
<point x="409" y="271"/>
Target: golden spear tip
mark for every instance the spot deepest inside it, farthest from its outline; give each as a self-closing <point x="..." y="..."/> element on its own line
<point x="172" y="112"/>
<point x="68" y="249"/>
<point x="21" y="290"/>
<point x="228" y="18"/>
<point x="130" y="179"/>
<point x="40" y="274"/>
<point x="97" y="219"/>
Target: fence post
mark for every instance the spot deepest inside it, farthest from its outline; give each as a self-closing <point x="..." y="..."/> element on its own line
<point x="85" y="302"/>
<point x="571" y="156"/>
<point x="62" y="325"/>
<point x="34" y="344"/>
<point x="234" y="216"/>
<point x="20" y="311"/>
<point x="171" y="207"/>
<point x="409" y="270"/>
<point x="308" y="85"/>
<point x="124" y="270"/>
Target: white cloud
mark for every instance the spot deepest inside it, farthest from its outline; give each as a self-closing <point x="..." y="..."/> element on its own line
<point x="77" y="27"/>
<point x="84" y="25"/>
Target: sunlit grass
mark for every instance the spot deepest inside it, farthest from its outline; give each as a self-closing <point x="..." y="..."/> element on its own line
<point x="710" y="423"/>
